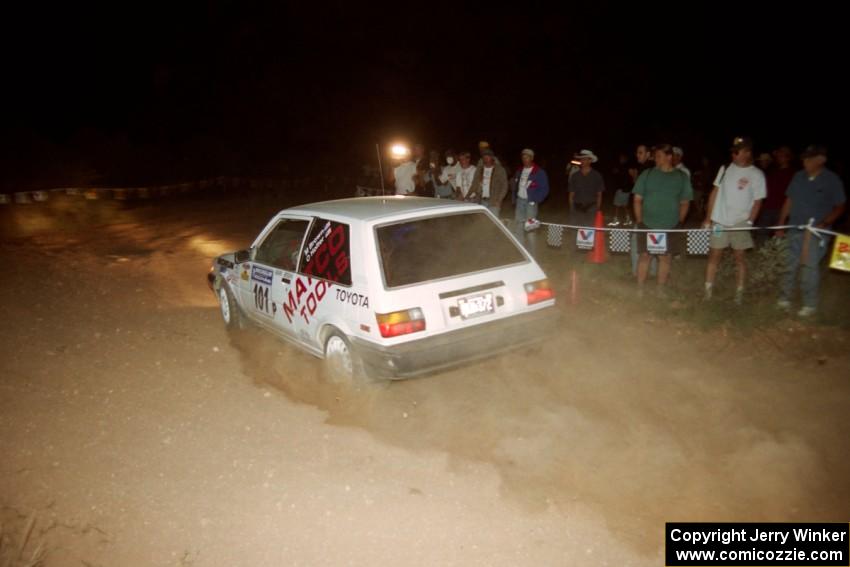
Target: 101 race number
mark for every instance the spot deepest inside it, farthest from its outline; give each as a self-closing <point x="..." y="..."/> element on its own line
<point x="261" y="298"/>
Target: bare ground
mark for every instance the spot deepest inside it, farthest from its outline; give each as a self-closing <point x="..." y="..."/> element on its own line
<point x="136" y="431"/>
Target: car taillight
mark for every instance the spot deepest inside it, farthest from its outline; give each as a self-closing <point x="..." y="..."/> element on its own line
<point x="401" y="322"/>
<point x="538" y="291"/>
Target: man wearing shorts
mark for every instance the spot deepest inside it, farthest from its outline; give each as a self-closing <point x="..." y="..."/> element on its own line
<point x="662" y="197"/>
<point x="735" y="200"/>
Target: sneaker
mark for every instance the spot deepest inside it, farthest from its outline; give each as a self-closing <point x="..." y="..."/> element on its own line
<point x="739" y="296"/>
<point x="709" y="293"/>
<point x="806" y="312"/>
<point x="783" y="305"/>
<point x="615" y="222"/>
<point x="531" y="224"/>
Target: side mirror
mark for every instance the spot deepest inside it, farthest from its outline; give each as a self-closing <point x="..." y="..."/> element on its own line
<point x="242" y="256"/>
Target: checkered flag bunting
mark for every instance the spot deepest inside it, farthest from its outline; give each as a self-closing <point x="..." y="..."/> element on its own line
<point x="554" y="235"/>
<point x="620" y="241"/>
<point x="697" y="242"/>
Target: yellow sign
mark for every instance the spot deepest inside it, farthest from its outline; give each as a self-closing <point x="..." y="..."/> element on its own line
<point x="841" y="253"/>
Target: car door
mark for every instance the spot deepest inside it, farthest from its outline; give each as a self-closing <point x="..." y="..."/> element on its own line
<point x="325" y="264"/>
<point x="275" y="261"/>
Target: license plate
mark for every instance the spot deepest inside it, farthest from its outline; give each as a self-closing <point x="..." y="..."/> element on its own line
<point x="476" y="305"/>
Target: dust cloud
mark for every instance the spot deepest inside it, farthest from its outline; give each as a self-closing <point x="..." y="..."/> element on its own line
<point x="650" y="435"/>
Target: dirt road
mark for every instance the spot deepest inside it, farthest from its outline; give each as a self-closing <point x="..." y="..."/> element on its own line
<point x="135" y="431"/>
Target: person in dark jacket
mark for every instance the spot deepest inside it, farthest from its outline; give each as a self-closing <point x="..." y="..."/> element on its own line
<point x="529" y="187"/>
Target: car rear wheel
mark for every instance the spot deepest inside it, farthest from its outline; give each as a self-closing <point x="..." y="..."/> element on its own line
<point x="342" y="365"/>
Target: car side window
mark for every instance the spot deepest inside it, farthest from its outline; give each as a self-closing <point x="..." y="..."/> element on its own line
<point x="281" y="246"/>
<point x="327" y="253"/>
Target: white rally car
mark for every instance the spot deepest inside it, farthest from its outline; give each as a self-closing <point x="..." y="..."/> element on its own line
<point x="387" y="286"/>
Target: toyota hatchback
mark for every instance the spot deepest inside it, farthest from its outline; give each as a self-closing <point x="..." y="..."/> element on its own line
<point x="387" y="287"/>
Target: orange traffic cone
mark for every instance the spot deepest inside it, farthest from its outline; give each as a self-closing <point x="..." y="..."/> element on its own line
<point x="599" y="254"/>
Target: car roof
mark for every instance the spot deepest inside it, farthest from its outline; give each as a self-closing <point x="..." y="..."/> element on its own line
<point x="372" y="208"/>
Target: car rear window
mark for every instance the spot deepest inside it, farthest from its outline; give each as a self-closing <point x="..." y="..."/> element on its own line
<point x="432" y="248"/>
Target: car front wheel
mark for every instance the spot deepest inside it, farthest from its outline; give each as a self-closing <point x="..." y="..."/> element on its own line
<point x="230" y="313"/>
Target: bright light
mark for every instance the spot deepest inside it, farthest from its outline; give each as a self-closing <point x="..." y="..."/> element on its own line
<point x="399" y="151"/>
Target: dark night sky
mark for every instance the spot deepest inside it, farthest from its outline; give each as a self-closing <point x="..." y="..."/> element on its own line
<point x="226" y="87"/>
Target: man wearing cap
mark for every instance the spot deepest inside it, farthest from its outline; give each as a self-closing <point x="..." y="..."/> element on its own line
<point x="678" y="154"/>
<point x="815" y="195"/>
<point x="735" y="200"/>
<point x="490" y="183"/>
<point x="585" y="190"/>
<point x="483" y="146"/>
<point x="529" y="187"/>
<point x="662" y="197"/>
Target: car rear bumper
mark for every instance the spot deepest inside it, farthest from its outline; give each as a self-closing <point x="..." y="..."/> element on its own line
<point x="456" y="348"/>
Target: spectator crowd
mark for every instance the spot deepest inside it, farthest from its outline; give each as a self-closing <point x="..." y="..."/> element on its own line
<point x="656" y="192"/>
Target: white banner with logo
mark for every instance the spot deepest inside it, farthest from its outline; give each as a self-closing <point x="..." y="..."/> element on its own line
<point x="585" y="238"/>
<point x="656" y="242"/>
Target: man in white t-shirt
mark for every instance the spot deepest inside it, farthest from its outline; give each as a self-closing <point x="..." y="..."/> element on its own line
<point x="529" y="187"/>
<point x="734" y="203"/>
<point x="403" y="177"/>
<point x="465" y="174"/>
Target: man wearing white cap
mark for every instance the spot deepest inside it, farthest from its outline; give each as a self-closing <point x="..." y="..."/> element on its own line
<point x="529" y="187"/>
<point x="585" y="190"/>
<point x="678" y="154"/>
